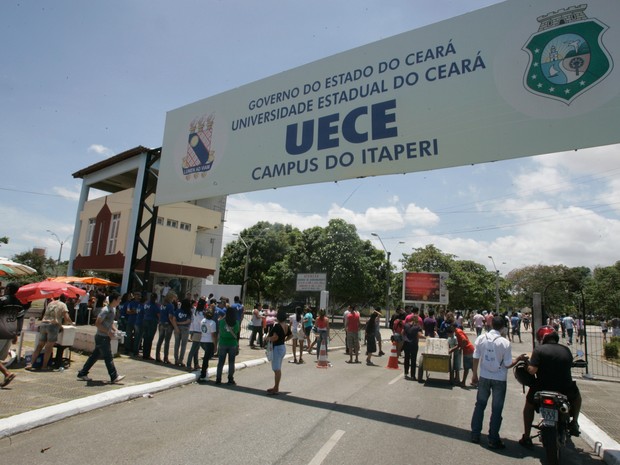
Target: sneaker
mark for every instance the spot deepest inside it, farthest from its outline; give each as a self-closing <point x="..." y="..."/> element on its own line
<point x="497" y="444"/>
<point x="84" y="378"/>
<point x="202" y="379"/>
<point x="526" y="441"/>
<point x="118" y="379"/>
<point x="232" y="382"/>
<point x="475" y="439"/>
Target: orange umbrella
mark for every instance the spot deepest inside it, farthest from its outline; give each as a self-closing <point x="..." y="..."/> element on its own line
<point x="65" y="279"/>
<point x="47" y="289"/>
<point x="96" y="281"/>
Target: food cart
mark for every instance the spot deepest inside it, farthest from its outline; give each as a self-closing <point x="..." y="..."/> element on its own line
<point x="435" y="358"/>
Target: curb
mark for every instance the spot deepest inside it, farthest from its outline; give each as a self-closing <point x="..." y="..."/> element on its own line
<point x="602" y="445"/>
<point x="46" y="415"/>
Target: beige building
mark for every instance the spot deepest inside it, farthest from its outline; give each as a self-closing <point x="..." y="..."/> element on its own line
<point x="122" y="232"/>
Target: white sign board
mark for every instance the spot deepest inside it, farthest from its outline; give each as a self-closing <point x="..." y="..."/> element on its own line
<point x="311" y="282"/>
<point x="511" y="80"/>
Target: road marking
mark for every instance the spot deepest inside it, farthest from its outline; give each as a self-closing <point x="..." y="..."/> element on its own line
<point x="396" y="379"/>
<point x="326" y="449"/>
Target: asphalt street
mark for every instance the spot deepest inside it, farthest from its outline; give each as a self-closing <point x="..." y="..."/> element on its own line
<point x="342" y="415"/>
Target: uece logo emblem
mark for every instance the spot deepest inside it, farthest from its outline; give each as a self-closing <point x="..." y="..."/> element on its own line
<point x="199" y="157"/>
<point x="567" y="55"/>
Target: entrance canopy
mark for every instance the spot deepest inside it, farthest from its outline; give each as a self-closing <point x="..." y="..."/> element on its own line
<point x="511" y="80"/>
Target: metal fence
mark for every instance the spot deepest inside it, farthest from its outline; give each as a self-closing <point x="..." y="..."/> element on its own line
<point x="592" y="343"/>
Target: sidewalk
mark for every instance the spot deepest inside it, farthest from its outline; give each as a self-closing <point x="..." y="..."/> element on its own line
<point x="38" y="398"/>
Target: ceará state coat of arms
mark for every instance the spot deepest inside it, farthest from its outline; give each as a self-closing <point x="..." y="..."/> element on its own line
<point x="567" y="55"/>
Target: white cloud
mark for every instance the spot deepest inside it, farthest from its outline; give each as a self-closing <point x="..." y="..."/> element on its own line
<point x="100" y="150"/>
<point x="67" y="193"/>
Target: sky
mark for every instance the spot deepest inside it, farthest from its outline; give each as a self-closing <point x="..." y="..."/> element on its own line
<point x="82" y="81"/>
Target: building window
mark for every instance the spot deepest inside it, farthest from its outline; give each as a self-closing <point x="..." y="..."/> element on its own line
<point x="172" y="223"/>
<point x="160" y="220"/>
<point x="90" y="231"/>
<point x="113" y="236"/>
<point x="186" y="226"/>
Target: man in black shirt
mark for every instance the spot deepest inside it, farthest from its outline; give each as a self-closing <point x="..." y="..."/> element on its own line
<point x="551" y="363"/>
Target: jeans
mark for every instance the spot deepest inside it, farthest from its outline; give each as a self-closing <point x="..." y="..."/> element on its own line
<point x="192" y="358"/>
<point x="148" y="331"/>
<point x="208" y="348"/>
<point x="411" y="356"/>
<point x="180" y="342"/>
<point x="165" y="334"/>
<point x="137" y="340"/>
<point x="257" y="330"/>
<point x="222" y="351"/>
<point x="486" y="387"/>
<point x="102" y="349"/>
<point x="129" y="338"/>
<point x="321" y="340"/>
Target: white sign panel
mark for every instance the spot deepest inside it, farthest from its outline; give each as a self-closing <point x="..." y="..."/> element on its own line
<point x="311" y="282"/>
<point x="511" y="80"/>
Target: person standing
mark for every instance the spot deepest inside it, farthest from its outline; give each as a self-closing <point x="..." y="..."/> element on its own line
<point x="352" y="325"/>
<point x="515" y="322"/>
<point x="411" y="334"/>
<point x="430" y="324"/>
<point x="257" y="326"/>
<point x="11" y="321"/>
<point x="227" y="345"/>
<point x="322" y="335"/>
<point x="493" y="354"/>
<point x="278" y="335"/>
<point x="297" y="326"/>
<point x="55" y="315"/>
<point x="478" y="322"/>
<point x="569" y="325"/>
<point x="208" y="340"/>
<point x="371" y="342"/>
<point x="378" y="337"/>
<point x="149" y="325"/>
<point x="308" y="325"/>
<point x="106" y="330"/>
<point x="181" y="319"/>
<point x="239" y="311"/>
<point x="195" y="334"/>
<point x="165" y="326"/>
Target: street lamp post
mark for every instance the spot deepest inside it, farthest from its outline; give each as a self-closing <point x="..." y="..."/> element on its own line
<point x="61" y="244"/>
<point x="387" y="279"/>
<point x="247" y="261"/>
<point x="496" y="287"/>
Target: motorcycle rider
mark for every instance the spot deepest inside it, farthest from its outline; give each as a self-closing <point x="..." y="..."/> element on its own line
<point x="551" y="363"/>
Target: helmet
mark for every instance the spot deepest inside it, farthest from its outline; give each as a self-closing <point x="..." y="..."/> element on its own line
<point x="543" y="332"/>
<point x="523" y="376"/>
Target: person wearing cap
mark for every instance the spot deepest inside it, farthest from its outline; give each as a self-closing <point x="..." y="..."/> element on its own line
<point x="551" y="362"/>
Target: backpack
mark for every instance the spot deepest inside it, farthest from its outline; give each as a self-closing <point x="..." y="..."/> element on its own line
<point x="488" y="357"/>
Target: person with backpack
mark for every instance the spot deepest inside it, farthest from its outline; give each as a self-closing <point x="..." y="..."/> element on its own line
<point x="493" y="355"/>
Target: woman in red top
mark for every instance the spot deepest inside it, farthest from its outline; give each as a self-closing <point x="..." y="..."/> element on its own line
<point x="322" y="326"/>
<point x="465" y="345"/>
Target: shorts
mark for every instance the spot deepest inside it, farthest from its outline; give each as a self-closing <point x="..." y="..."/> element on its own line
<point x="279" y="352"/>
<point x="5" y="346"/>
<point x="353" y="340"/>
<point x="572" y="392"/>
<point x="299" y="335"/>
<point x="307" y="330"/>
<point x="468" y="362"/>
<point x="397" y="337"/>
<point x="48" y="332"/>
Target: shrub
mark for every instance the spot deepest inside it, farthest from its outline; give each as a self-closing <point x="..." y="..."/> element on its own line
<point x="611" y="350"/>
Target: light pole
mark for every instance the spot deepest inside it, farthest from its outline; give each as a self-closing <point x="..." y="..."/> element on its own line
<point x="387" y="279"/>
<point x="61" y="244"/>
<point x="496" y="287"/>
<point x="247" y="261"/>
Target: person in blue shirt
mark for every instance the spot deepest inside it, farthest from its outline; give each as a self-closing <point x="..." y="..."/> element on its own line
<point x="132" y="314"/>
<point x="165" y="325"/>
<point x="150" y="316"/>
<point x="181" y="319"/>
<point x="137" y="341"/>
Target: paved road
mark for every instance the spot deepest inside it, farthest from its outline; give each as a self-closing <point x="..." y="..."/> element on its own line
<point x="347" y="414"/>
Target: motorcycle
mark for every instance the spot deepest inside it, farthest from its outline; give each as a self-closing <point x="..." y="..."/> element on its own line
<point x="554" y="427"/>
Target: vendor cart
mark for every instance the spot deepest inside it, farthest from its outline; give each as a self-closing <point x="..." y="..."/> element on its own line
<point x="435" y="358"/>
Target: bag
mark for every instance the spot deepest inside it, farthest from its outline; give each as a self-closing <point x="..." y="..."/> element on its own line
<point x="269" y="351"/>
<point x="488" y="358"/>
<point x="195" y="336"/>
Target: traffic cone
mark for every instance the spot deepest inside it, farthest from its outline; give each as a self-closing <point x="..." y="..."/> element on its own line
<point x="323" y="363"/>
<point x="393" y="360"/>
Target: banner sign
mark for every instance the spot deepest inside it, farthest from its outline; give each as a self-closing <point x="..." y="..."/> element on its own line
<point x="511" y="80"/>
<point x="425" y="288"/>
<point x="311" y="282"/>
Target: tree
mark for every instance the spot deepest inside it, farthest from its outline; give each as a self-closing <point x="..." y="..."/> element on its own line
<point x="602" y="291"/>
<point x="41" y="263"/>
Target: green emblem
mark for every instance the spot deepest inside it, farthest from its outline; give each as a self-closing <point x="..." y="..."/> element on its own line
<point x="567" y="56"/>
